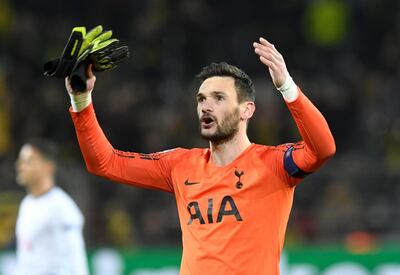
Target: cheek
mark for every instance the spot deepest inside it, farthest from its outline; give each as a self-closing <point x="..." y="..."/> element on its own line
<point x="199" y="112"/>
<point x="22" y="168"/>
<point x="32" y="170"/>
<point x="28" y="171"/>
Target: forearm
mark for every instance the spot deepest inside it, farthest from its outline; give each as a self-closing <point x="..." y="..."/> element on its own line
<point x="313" y="128"/>
<point x="95" y="148"/>
<point x="319" y="143"/>
<point x="103" y="160"/>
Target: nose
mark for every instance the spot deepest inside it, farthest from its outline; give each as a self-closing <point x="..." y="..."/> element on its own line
<point x="206" y="106"/>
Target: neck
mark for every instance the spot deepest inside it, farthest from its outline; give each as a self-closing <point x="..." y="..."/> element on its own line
<point x="41" y="187"/>
<point x="224" y="153"/>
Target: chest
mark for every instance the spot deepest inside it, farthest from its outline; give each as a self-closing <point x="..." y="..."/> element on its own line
<point x="203" y="187"/>
<point x="238" y="193"/>
<point x="202" y="180"/>
<point x="34" y="222"/>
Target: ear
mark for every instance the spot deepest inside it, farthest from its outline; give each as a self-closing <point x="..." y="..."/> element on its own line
<point x="247" y="110"/>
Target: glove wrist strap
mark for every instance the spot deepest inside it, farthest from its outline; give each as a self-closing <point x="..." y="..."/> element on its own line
<point x="80" y="101"/>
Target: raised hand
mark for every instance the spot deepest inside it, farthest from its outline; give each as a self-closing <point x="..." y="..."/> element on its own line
<point x="270" y="57"/>
<point x="91" y="79"/>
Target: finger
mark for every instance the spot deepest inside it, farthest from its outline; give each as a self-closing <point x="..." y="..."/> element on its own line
<point x="269" y="56"/>
<point x="268" y="47"/>
<point x="103" y="36"/>
<point x="267" y="51"/>
<point x="268" y="63"/>
<point x="275" y="66"/>
<point x="265" y="42"/>
<point x="260" y="45"/>
<point x="93" y="33"/>
<point x="67" y="82"/>
<point x="89" y="71"/>
<point x="68" y="85"/>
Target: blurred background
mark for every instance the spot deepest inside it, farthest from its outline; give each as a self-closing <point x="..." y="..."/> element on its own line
<point x="343" y="54"/>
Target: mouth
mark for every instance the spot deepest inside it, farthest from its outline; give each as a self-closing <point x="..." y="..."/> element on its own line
<point x="207" y="121"/>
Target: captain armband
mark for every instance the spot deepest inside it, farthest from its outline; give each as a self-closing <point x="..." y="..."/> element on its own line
<point x="290" y="166"/>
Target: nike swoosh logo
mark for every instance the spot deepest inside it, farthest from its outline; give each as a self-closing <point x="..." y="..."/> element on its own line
<point x="187" y="182"/>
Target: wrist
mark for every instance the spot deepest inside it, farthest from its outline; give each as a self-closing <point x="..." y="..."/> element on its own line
<point x="289" y="89"/>
<point x="80" y="101"/>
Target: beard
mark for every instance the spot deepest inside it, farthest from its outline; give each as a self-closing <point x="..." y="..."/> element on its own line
<point x="226" y="130"/>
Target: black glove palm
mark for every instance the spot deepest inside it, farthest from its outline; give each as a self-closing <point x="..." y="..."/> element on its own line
<point x="108" y="58"/>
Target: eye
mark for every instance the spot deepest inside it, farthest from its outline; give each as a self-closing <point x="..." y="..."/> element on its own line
<point x="220" y="97"/>
<point x="200" y="99"/>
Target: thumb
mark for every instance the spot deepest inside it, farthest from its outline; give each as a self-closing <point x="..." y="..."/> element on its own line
<point x="89" y="71"/>
<point x="91" y="78"/>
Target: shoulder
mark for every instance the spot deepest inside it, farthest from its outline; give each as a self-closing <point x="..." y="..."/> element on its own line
<point x="63" y="202"/>
<point x="26" y="200"/>
<point x="280" y="158"/>
<point x="66" y="214"/>
<point x="179" y="153"/>
<point x="196" y="154"/>
<point x="265" y="150"/>
<point x="57" y="193"/>
<point x="182" y="158"/>
<point x="276" y="152"/>
<point x="26" y="205"/>
<point x="280" y="147"/>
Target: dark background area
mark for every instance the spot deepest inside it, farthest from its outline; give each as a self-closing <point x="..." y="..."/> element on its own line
<point x="343" y="54"/>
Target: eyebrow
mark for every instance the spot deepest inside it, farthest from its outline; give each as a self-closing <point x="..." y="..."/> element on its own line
<point x="214" y="93"/>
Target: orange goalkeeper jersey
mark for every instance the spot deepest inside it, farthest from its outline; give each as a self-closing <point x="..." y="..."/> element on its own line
<point x="233" y="218"/>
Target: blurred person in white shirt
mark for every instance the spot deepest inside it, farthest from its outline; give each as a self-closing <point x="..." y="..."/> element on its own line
<point x="49" y="225"/>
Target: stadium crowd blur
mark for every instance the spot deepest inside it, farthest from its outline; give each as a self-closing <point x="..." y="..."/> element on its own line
<point x="343" y="54"/>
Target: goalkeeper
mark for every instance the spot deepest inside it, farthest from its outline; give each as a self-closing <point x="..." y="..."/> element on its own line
<point x="234" y="198"/>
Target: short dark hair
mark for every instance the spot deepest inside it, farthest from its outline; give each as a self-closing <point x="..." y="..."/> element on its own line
<point x="47" y="148"/>
<point x="243" y="83"/>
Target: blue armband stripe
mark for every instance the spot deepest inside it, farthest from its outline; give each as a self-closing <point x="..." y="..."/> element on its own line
<point x="290" y="166"/>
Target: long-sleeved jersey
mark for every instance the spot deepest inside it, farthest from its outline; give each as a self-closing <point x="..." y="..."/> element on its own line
<point x="233" y="218"/>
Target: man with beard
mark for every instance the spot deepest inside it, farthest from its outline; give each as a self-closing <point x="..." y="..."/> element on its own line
<point x="49" y="225"/>
<point x="233" y="198"/>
